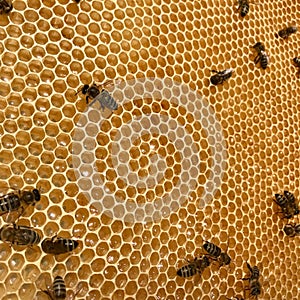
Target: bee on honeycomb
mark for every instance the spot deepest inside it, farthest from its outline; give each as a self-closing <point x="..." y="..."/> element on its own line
<point x="194" y="267"/>
<point x="5" y="6"/>
<point x="262" y="56"/>
<point x="19" y="235"/>
<point x="102" y="96"/>
<point x="220" y="76"/>
<point x="57" y="245"/>
<point x="286" y="32"/>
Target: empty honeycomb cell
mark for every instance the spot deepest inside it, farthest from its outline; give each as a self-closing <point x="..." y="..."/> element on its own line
<point x="13" y="282"/>
<point x="26" y="291"/>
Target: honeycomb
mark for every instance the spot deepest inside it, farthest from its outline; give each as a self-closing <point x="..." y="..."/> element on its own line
<point x="178" y="163"/>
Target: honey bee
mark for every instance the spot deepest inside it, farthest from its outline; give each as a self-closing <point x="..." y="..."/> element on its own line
<point x="292" y="230"/>
<point x="19" y="235"/>
<point x="243" y="7"/>
<point x="103" y="96"/>
<point x="57" y="245"/>
<point x="18" y="200"/>
<point x="194" y="267"/>
<point x="220" y="76"/>
<point x="288" y="204"/>
<point x="216" y="252"/>
<point x="286" y="32"/>
<point x="255" y="286"/>
<point x="58" y="290"/>
<point x="262" y="56"/>
<point x="296" y="61"/>
<point x="5" y="6"/>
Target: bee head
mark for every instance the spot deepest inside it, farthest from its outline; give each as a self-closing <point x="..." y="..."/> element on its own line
<point x="288" y="229"/>
<point x="85" y="89"/>
<point x="37" y="195"/>
<point x="259" y="46"/>
<point x="215" y="79"/>
<point x="30" y="197"/>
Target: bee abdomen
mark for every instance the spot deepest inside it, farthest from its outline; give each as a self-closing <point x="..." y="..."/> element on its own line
<point x="187" y="271"/>
<point x="108" y="101"/>
<point x="264" y="61"/>
<point x="212" y="249"/>
<point x="244" y="9"/>
<point x="59" y="288"/>
<point x="255" y="273"/>
<point x="255" y="288"/>
<point x="69" y="244"/>
<point x="10" y="203"/>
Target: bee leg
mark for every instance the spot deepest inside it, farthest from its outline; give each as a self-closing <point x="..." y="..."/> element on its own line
<point x="257" y="58"/>
<point x="276" y="202"/>
<point x="9" y="219"/>
<point x="54" y="237"/>
<point x="102" y="106"/>
<point x="214" y="71"/>
<point x="87" y="99"/>
<point x="48" y="293"/>
<point x="91" y="104"/>
<point x="237" y="9"/>
<point x="246" y="278"/>
<point x="190" y="261"/>
<point x="212" y="258"/>
<point x="107" y="82"/>
<point x="12" y="218"/>
<point x="77" y="292"/>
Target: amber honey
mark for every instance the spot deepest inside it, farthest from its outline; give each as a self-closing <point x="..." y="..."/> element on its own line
<point x="158" y="139"/>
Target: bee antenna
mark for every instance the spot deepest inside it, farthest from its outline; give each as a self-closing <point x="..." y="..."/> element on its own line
<point x="78" y="92"/>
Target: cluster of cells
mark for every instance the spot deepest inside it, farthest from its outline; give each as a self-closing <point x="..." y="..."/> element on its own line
<point x="129" y="176"/>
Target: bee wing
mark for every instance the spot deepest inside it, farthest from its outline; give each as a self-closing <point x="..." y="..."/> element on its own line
<point x="105" y="99"/>
<point x="12" y="216"/>
<point x="109" y="83"/>
<point x="22" y="236"/>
